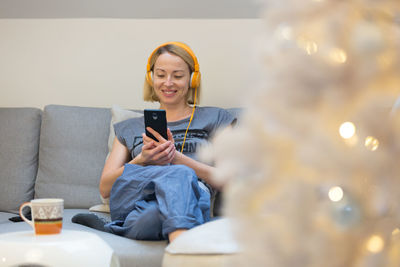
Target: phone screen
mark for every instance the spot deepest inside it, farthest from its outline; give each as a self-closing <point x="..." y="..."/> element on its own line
<point x="157" y="120"/>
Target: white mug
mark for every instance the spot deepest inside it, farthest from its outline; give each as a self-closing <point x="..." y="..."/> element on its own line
<point x="47" y="214"/>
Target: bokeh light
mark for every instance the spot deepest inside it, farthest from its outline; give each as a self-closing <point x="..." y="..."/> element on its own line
<point x="338" y="56"/>
<point x="335" y="194"/>
<point x="375" y="244"/>
<point x="371" y="143"/>
<point x="347" y="130"/>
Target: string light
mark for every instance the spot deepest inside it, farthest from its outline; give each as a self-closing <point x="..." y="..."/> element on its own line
<point x="375" y="244"/>
<point x="347" y="130"/>
<point x="338" y="55"/>
<point x="309" y="46"/>
<point x="371" y="143"/>
<point x="335" y="194"/>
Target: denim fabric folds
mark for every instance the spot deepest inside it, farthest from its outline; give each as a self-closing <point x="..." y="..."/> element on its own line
<point x="148" y="203"/>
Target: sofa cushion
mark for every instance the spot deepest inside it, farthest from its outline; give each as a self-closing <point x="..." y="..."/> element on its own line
<point x="19" y="143"/>
<point x="118" y="114"/>
<point x="73" y="147"/>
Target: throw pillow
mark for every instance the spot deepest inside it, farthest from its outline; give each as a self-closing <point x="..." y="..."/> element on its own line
<point x="117" y="114"/>
<point x="214" y="237"/>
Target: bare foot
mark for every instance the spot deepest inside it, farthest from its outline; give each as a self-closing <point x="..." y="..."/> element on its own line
<point x="175" y="234"/>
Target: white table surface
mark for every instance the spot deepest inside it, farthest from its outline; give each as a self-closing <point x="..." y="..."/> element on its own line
<point x="69" y="248"/>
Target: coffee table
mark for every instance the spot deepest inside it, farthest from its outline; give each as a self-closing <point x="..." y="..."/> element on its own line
<point x="69" y="248"/>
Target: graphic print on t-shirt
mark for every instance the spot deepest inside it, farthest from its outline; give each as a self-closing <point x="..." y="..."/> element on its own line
<point x="137" y="140"/>
<point x="194" y="138"/>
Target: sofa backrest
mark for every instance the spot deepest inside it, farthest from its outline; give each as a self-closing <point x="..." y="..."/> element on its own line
<point x="73" y="148"/>
<point x="19" y="145"/>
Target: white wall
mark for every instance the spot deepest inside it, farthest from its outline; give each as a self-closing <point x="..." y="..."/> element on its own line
<point x="100" y="62"/>
<point x="193" y="9"/>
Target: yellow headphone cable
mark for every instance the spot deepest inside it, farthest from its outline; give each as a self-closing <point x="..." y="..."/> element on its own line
<point x="191" y="118"/>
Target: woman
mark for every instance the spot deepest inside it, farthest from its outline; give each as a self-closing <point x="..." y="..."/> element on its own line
<point x="158" y="189"/>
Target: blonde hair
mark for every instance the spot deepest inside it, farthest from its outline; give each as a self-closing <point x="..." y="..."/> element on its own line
<point x="148" y="89"/>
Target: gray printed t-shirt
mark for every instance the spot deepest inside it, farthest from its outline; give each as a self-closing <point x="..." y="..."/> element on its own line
<point x="206" y="121"/>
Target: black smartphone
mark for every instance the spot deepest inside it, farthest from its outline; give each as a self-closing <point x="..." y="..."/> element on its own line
<point x="157" y="120"/>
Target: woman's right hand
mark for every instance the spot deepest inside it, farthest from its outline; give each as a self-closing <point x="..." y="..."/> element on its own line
<point x="156" y="154"/>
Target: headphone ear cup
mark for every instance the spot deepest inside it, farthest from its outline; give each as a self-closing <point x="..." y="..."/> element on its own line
<point x="191" y="80"/>
<point x="149" y="78"/>
<point x="195" y="79"/>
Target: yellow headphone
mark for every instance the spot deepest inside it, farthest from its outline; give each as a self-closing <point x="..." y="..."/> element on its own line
<point x="194" y="78"/>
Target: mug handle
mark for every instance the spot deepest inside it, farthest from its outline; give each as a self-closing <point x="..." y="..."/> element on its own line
<point x="22" y="215"/>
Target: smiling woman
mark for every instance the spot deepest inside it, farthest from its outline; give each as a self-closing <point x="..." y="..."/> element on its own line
<point x="158" y="188"/>
<point x="173" y="79"/>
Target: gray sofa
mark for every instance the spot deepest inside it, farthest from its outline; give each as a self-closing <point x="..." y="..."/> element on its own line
<point x="60" y="152"/>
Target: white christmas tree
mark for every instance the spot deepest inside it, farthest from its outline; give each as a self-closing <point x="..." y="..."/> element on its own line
<point x="314" y="163"/>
